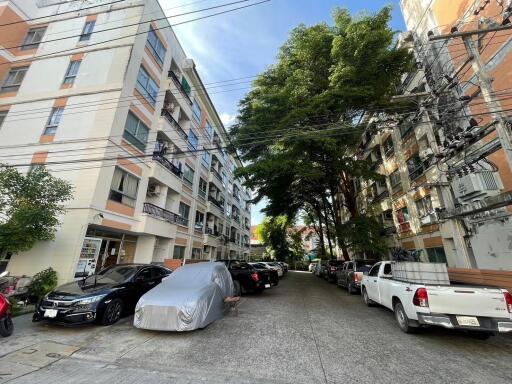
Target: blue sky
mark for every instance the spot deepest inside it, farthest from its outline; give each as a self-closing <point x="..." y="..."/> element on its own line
<point x="243" y="43"/>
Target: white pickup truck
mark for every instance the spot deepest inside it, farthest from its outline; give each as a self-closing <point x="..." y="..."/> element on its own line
<point x="482" y="309"/>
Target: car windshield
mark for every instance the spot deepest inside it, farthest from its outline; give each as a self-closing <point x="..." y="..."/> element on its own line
<point x="112" y="275"/>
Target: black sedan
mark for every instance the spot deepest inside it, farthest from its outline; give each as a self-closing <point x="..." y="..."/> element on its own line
<point x="101" y="298"/>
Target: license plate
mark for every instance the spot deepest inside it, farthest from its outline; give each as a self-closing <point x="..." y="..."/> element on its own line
<point x="468" y="321"/>
<point x="50" y="313"/>
<point x="267" y="285"/>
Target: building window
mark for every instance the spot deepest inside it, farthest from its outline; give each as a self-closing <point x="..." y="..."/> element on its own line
<point x="72" y="72"/>
<point x="147" y="86"/>
<point x="87" y="30"/>
<point x="156" y="46"/>
<point x="33" y="38"/>
<point x="196" y="111"/>
<point x="184" y="212"/>
<point x="53" y="121"/>
<point x="186" y="86"/>
<point x="136" y="132"/>
<point x="199" y="224"/>
<point x="3" y="115"/>
<point x="193" y="141"/>
<point x="205" y="158"/>
<point x="196" y="253"/>
<point x="224" y="179"/>
<point x="209" y="130"/>
<point x="203" y="186"/>
<point x="415" y="167"/>
<point x="124" y="187"/>
<point x="179" y="252"/>
<point x="424" y="206"/>
<point x="394" y="178"/>
<point x="188" y="175"/>
<point x="402" y="216"/>
<point x="14" y="79"/>
<point x="436" y="255"/>
<point x="388" y="147"/>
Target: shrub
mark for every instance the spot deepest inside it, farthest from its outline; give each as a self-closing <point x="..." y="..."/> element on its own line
<point x="42" y="283"/>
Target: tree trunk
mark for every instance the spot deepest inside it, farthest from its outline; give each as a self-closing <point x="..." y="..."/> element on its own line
<point x="322" y="243"/>
<point x="326" y="214"/>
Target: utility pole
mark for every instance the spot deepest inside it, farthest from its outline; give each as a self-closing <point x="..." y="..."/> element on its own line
<point x="485" y="83"/>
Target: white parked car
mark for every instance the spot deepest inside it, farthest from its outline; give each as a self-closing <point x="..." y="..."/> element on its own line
<point x="191" y="297"/>
<point x="482" y="309"/>
<point x="275" y="267"/>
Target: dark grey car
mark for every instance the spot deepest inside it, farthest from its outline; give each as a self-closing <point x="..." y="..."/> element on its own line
<point x="350" y="274"/>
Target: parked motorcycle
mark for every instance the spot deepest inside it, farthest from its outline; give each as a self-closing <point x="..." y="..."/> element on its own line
<point x="6" y="324"/>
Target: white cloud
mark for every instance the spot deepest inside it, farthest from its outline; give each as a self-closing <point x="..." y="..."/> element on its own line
<point x="227" y="119"/>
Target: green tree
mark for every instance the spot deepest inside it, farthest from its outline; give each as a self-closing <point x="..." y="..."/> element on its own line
<point x="273" y="232"/>
<point x="29" y="207"/>
<point x="305" y="109"/>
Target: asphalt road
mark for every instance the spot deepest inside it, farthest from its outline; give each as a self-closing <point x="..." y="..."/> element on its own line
<point x="303" y="331"/>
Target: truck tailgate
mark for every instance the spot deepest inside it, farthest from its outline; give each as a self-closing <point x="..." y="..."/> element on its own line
<point x="473" y="301"/>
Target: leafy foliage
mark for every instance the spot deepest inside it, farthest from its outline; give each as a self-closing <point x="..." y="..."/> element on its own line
<point x="273" y="232"/>
<point x="42" y="283"/>
<point x="29" y="207"/>
<point x="304" y="111"/>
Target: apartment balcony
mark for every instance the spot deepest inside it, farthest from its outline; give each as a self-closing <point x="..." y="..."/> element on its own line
<point x="163" y="170"/>
<point x="216" y="174"/>
<point x="236" y="218"/>
<point x="236" y="197"/>
<point x="404" y="227"/>
<point x="422" y="167"/>
<point x="172" y="121"/>
<point x="178" y="84"/>
<point x="159" y="221"/>
<point x="217" y="204"/>
<point x="381" y="196"/>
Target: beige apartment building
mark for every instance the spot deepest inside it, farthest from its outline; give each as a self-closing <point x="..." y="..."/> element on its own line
<point x="447" y="166"/>
<point x="104" y="96"/>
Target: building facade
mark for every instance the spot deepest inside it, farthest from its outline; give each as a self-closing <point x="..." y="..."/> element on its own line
<point x="446" y="166"/>
<point x="103" y="95"/>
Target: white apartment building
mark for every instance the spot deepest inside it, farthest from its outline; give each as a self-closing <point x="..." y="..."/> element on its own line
<point x="103" y="95"/>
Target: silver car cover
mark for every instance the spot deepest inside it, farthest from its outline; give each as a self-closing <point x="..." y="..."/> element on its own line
<point x="189" y="298"/>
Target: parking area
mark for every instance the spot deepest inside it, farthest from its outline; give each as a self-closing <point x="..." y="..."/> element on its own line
<point x="303" y="331"/>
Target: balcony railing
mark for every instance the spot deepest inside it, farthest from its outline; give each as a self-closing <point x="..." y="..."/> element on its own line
<point x="216" y="173"/>
<point x="216" y="202"/>
<point x="212" y="232"/>
<point x="201" y="193"/>
<point x="236" y="218"/>
<point x="420" y="169"/>
<point x="175" y="124"/>
<point x="381" y="195"/>
<point x="236" y="196"/>
<point x="177" y="81"/>
<point x="167" y="164"/>
<point x="162" y="213"/>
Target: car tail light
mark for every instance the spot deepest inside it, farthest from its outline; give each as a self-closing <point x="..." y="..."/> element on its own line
<point x="354" y="277"/>
<point x="255" y="276"/>
<point x="508" y="301"/>
<point x="420" y="298"/>
<point x="333" y="268"/>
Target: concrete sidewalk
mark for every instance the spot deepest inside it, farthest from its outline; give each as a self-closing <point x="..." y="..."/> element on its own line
<point x="303" y="331"/>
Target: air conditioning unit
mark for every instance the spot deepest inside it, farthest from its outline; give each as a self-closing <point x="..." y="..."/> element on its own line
<point x="426" y="153"/>
<point x="153" y="190"/>
<point x="476" y="186"/>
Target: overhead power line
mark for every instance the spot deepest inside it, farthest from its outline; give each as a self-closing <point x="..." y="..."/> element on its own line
<point x="36" y="57"/>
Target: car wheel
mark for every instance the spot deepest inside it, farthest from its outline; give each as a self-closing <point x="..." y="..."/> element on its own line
<point x="366" y="299"/>
<point x="238" y="290"/>
<point x="402" y="319"/>
<point x="113" y="312"/>
<point x="6" y="326"/>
